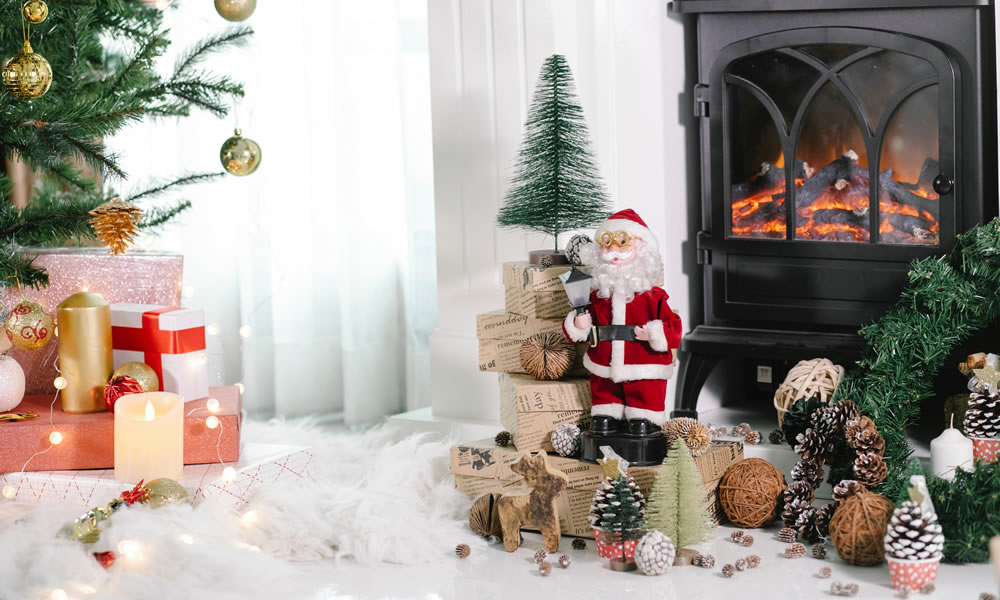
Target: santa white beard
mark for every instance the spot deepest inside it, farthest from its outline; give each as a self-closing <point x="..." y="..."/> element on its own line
<point x="638" y="276"/>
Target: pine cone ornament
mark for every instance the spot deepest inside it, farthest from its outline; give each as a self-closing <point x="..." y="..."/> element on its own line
<point x="717" y="431"/>
<point x="696" y="436"/>
<point x="565" y="561"/>
<point x="115" y="224"/>
<point x="541" y="555"/>
<point x="808" y="471"/>
<point x="824" y="573"/>
<point x="819" y="551"/>
<point x="825" y="421"/>
<point x="913" y="535"/>
<point x="823" y="516"/>
<point x="811" y="445"/>
<point x="797" y="497"/>
<point x="728" y="570"/>
<point x="705" y="561"/>
<point x="740" y="564"/>
<point x="847" y="488"/>
<point x="843" y="413"/>
<point x="736" y="536"/>
<point x="856" y="426"/>
<point x="787" y="535"/>
<point x="752" y="438"/>
<point x="545" y="568"/>
<point x="741" y="430"/>
<point x="869" y="441"/>
<point x="463" y="550"/>
<point x="579" y="544"/>
<point x="747" y="540"/>
<point x="753" y="561"/>
<point x="796" y="550"/>
<point x="600" y="503"/>
<point x="870" y="469"/>
<point x="654" y="554"/>
<point x="806" y="526"/>
<point x="566" y="439"/>
<point x="982" y="419"/>
<point x="776" y="436"/>
<point x="502" y="439"/>
<point x="843" y="589"/>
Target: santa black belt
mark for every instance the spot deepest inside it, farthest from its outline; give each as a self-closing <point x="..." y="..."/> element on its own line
<point x="613" y="333"/>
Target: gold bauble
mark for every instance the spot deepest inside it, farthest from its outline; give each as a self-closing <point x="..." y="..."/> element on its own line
<point x="35" y="11"/>
<point x="26" y="75"/>
<point x="28" y="326"/>
<point x="235" y="10"/>
<point x="239" y="155"/>
<point x="142" y="373"/>
<point x="163" y="492"/>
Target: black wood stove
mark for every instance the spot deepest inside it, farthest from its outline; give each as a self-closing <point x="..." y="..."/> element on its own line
<point x="840" y="140"/>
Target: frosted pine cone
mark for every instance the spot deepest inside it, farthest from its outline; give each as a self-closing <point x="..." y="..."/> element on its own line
<point x="776" y="436"/>
<point x="716" y="431"/>
<point x="868" y="441"/>
<point x="747" y="540"/>
<point x="502" y="439"/>
<point x="819" y="551"/>
<point x="870" y="469"/>
<point x="843" y="589"/>
<point x="740" y="564"/>
<point x="843" y="413"/>
<point x="463" y="550"/>
<point x="541" y="555"/>
<point x="565" y="561"/>
<point x="823" y="516"/>
<point x="824" y="573"/>
<point x="566" y="439"/>
<point x="809" y="471"/>
<point x="847" y="488"/>
<point x="741" y="430"/>
<point x="797" y="497"/>
<point x="811" y="445"/>
<point x="654" y="554"/>
<point x="728" y="570"/>
<point x="787" y="535"/>
<point x="982" y="420"/>
<point x="825" y="421"/>
<point x="753" y="561"/>
<point x="796" y="550"/>
<point x="696" y="436"/>
<point x="911" y="535"/>
<point x="545" y="568"/>
<point x="856" y="426"/>
<point x="705" y="561"/>
<point x="806" y="526"/>
<point x="579" y="544"/>
<point x="737" y="535"/>
<point x="752" y="438"/>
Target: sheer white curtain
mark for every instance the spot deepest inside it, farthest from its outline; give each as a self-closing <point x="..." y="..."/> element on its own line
<point x="325" y="256"/>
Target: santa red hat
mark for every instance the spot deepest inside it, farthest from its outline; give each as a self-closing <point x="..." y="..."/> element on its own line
<point x="630" y="222"/>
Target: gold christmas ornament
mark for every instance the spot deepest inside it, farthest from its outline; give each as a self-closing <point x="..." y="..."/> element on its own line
<point x="235" y="10"/>
<point x="164" y="491"/>
<point x="35" y="11"/>
<point x="142" y="373"/>
<point x="115" y="224"/>
<point x="239" y="155"/>
<point x="26" y="75"/>
<point x="28" y="326"/>
<point x="85" y="351"/>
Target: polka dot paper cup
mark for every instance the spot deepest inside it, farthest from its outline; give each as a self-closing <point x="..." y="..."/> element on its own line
<point x="912" y="574"/>
<point x="609" y="545"/>
<point x="985" y="449"/>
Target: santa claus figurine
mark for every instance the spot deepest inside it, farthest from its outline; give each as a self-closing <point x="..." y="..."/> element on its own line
<point x="631" y="328"/>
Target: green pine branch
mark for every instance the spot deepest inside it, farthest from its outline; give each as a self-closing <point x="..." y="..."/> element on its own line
<point x="234" y="37"/>
<point x="158" y="188"/>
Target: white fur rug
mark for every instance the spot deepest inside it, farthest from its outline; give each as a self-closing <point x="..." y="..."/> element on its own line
<point x="369" y="499"/>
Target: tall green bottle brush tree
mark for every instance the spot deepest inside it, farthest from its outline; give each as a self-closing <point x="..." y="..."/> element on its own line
<point x="557" y="186"/>
<point x="97" y="90"/>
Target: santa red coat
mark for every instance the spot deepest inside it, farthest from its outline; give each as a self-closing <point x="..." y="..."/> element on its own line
<point x="621" y="360"/>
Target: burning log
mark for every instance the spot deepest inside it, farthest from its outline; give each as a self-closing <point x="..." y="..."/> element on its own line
<point x="899" y="194"/>
<point x="917" y="227"/>
<point x="840" y="216"/>
<point x="768" y="178"/>
<point x="844" y="169"/>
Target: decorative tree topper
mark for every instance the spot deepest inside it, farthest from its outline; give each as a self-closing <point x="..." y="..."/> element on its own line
<point x="556" y="186"/>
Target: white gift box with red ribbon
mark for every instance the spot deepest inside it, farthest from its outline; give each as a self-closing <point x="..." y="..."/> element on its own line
<point x="169" y="339"/>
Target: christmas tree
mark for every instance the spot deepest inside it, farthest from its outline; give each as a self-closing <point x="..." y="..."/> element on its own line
<point x="625" y="512"/>
<point x="103" y="55"/>
<point x="556" y="185"/>
<point x="676" y="503"/>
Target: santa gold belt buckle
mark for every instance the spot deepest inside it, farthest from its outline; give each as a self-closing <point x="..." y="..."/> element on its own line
<point x="593" y="335"/>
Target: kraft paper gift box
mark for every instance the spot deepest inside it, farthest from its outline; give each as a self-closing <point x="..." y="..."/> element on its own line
<point x="483" y="467"/>
<point x="143" y="277"/>
<point x="531" y="409"/>
<point x="171" y="340"/>
<point x="89" y="438"/>
<point x="501" y="334"/>
<point x="535" y="291"/>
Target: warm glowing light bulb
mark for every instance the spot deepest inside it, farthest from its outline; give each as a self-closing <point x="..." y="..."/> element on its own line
<point x="129" y="549"/>
<point x="212" y="422"/>
<point x="60" y="383"/>
<point x="249" y="517"/>
<point x="84" y="288"/>
<point x="212" y="329"/>
<point x="212" y="405"/>
<point x="55" y="438"/>
<point x="229" y="474"/>
<point x="186" y="538"/>
<point x="59" y="594"/>
<point x="150" y="411"/>
<point x="245" y="331"/>
<point x="8" y="491"/>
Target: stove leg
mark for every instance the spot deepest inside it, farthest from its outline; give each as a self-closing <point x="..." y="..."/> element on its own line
<point x="694" y="371"/>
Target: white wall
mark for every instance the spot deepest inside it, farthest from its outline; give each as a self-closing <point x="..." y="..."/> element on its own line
<point x="627" y="59"/>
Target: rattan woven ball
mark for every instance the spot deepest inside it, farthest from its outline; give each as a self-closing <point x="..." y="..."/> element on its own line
<point x="858" y="528"/>
<point x="750" y="492"/>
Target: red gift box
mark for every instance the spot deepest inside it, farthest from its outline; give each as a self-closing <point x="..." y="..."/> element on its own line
<point x="88" y="439"/>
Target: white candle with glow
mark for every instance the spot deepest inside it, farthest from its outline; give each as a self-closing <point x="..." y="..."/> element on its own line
<point x="149" y="437"/>
<point x="949" y="451"/>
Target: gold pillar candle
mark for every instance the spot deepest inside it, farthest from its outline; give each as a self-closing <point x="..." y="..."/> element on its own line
<point x="149" y="437"/>
<point x="85" y="356"/>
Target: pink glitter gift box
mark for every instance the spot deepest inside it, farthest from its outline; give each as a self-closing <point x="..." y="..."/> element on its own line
<point x="141" y="277"/>
<point x="88" y="439"/>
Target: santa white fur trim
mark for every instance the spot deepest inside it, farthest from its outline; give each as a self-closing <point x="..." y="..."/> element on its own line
<point x="575" y="333"/>
<point x="657" y="337"/>
<point x="615" y="411"/>
<point x="630" y="227"/>
<point x="620" y="373"/>
<point x="658" y="417"/>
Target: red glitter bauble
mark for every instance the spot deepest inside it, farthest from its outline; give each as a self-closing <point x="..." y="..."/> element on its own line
<point x="105" y="559"/>
<point x="122" y="385"/>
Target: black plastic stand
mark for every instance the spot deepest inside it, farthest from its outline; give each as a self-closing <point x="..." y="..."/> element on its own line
<point x="640" y="451"/>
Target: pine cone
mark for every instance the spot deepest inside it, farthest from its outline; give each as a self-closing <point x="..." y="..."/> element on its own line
<point x="823" y="516"/>
<point x="787" y="535"/>
<point x="541" y="555"/>
<point x="740" y="564"/>
<point x="856" y="426"/>
<point x="544" y="568"/>
<point x="825" y="572"/>
<point x="741" y="430"/>
<point x="912" y="535"/>
<point x="752" y="438"/>
<point x="870" y="469"/>
<point x="796" y="550"/>
<point x="566" y="439"/>
<point x="696" y="436"/>
<point x="579" y="544"/>
<point x="747" y="540"/>
<point x="819" y="551"/>
<point x="847" y="488"/>
<point x="116" y="223"/>
<point x="565" y="561"/>
<point x="806" y="525"/>
<point x="502" y="439"/>
<point x="811" y="445"/>
<point x="982" y="419"/>
<point x="707" y="561"/>
<point x="727" y="570"/>
<point x="825" y="421"/>
<point x="843" y="589"/>
<point x="808" y="471"/>
<point x="753" y="561"/>
<point x="798" y="497"/>
<point x="737" y="535"/>
<point x="463" y="550"/>
<point x="843" y="413"/>
<point x="776" y="436"/>
<point x="869" y="441"/>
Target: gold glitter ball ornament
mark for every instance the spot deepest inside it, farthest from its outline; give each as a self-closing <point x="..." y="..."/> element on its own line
<point x="163" y="492"/>
<point x="35" y="11"/>
<point x="235" y="10"/>
<point x="239" y="155"/>
<point x="26" y="75"/>
<point x="142" y="373"/>
<point x="28" y="326"/>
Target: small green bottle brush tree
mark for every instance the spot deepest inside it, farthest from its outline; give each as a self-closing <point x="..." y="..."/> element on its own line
<point x="677" y="501"/>
<point x="97" y="90"/>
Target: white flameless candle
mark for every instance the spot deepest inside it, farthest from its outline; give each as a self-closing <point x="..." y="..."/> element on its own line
<point x="149" y="437"/>
<point x="949" y="451"/>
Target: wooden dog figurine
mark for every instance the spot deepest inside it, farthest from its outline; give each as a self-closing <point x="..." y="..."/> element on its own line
<point x="535" y="508"/>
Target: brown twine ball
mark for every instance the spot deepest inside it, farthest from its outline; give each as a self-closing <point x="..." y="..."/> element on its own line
<point x="808" y="378"/>
<point x="547" y="355"/>
<point x="750" y="492"/>
<point x="858" y="528"/>
<point x="483" y="517"/>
